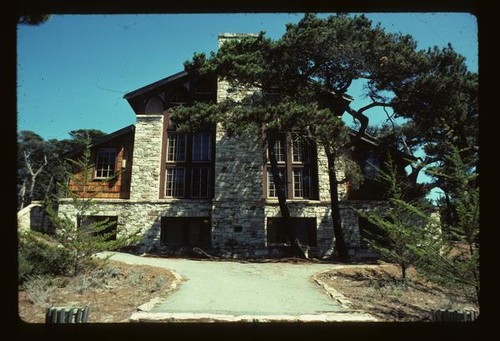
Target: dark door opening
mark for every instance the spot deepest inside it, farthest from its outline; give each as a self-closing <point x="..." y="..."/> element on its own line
<point x="280" y="233"/>
<point x="185" y="231"/>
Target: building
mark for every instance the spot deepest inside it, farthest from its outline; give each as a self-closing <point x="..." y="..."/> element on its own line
<point x="211" y="191"/>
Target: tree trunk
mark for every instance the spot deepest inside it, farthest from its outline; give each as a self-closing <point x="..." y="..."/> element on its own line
<point x="338" y="232"/>
<point x="403" y="271"/>
<point x="281" y="192"/>
<point x="33" y="174"/>
<point x="32" y="187"/>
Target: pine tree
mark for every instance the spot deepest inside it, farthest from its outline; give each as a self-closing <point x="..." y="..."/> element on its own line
<point x="456" y="263"/>
<point x="403" y="228"/>
<point x="86" y="237"/>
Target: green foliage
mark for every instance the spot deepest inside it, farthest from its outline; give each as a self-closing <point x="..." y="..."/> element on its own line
<point x="38" y="254"/>
<point x="87" y="236"/>
<point x="404" y="228"/>
<point x="301" y="82"/>
<point x="34" y="149"/>
<point x="456" y="263"/>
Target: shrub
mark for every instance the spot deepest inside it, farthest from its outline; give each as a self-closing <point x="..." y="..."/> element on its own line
<point x="25" y="268"/>
<point x="38" y="257"/>
<point x="158" y="284"/>
<point x="38" y="288"/>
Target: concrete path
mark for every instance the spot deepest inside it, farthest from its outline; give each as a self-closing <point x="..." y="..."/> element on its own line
<point x="235" y="291"/>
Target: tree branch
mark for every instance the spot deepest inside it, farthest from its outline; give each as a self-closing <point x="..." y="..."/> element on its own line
<point x="27" y="161"/>
<point x="358" y="114"/>
<point x="41" y="167"/>
<point x="345" y="87"/>
<point x="364" y="123"/>
<point x="374" y="104"/>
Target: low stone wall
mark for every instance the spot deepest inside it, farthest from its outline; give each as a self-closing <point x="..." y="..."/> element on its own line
<point x="33" y="217"/>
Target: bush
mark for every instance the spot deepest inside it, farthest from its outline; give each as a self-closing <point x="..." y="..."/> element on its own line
<point x="38" y="289"/>
<point x="38" y="257"/>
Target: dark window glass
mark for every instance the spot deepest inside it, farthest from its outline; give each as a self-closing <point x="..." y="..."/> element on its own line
<point x="105" y="163"/>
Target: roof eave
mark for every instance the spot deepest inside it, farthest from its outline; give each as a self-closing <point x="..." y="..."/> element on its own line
<point x="104" y="139"/>
<point x="154" y="85"/>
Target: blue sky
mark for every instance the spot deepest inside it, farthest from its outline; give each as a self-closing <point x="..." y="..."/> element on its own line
<point x="73" y="71"/>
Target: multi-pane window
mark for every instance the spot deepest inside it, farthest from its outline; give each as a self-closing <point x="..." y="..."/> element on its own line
<point x="296" y="165"/>
<point x="279" y="150"/>
<point x="272" y="191"/>
<point x="200" y="182"/>
<point x="105" y="166"/>
<point x="174" y="181"/>
<point x="301" y="182"/>
<point x="189" y="164"/>
<point x="176" y="147"/>
<point x="179" y="97"/>
<point x="201" y="147"/>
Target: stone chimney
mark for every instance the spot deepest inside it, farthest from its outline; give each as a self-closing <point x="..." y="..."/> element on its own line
<point x="223" y="37"/>
<point x="223" y="86"/>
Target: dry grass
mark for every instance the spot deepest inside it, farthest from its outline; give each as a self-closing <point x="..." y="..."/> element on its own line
<point x="113" y="292"/>
<point x="378" y="290"/>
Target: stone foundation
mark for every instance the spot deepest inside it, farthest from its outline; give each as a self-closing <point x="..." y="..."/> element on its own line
<point x="238" y="230"/>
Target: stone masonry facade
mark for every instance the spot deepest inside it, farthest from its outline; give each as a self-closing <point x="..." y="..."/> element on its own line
<point x="238" y="211"/>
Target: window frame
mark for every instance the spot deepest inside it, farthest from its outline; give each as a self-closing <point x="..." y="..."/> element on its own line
<point x="190" y="166"/>
<point x="96" y="169"/>
<point x="290" y="164"/>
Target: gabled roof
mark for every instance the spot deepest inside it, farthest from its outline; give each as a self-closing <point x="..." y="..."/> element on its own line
<point x="155" y="85"/>
<point x="102" y="140"/>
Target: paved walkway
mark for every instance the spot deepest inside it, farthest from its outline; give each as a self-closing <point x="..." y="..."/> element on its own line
<point x="235" y="291"/>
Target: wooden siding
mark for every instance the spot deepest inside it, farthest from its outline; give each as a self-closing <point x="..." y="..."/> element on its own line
<point x="116" y="188"/>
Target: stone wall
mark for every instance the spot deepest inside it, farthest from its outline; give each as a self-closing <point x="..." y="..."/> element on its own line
<point x="237" y="211"/>
<point x="308" y="209"/>
<point x="350" y="224"/>
<point x="33" y="217"/>
<point x="145" y="182"/>
<point x="143" y="215"/>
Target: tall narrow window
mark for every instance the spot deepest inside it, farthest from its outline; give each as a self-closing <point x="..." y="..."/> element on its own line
<point x="200" y="182"/>
<point x="201" y="146"/>
<point x="280" y="150"/>
<point x="297" y="166"/>
<point x="105" y="166"/>
<point x="176" y="147"/>
<point x="175" y="180"/>
<point x="189" y="165"/>
<point x="272" y="190"/>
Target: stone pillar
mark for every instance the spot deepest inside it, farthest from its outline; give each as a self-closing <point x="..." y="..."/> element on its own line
<point x="146" y="164"/>
<point x="238" y="210"/>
